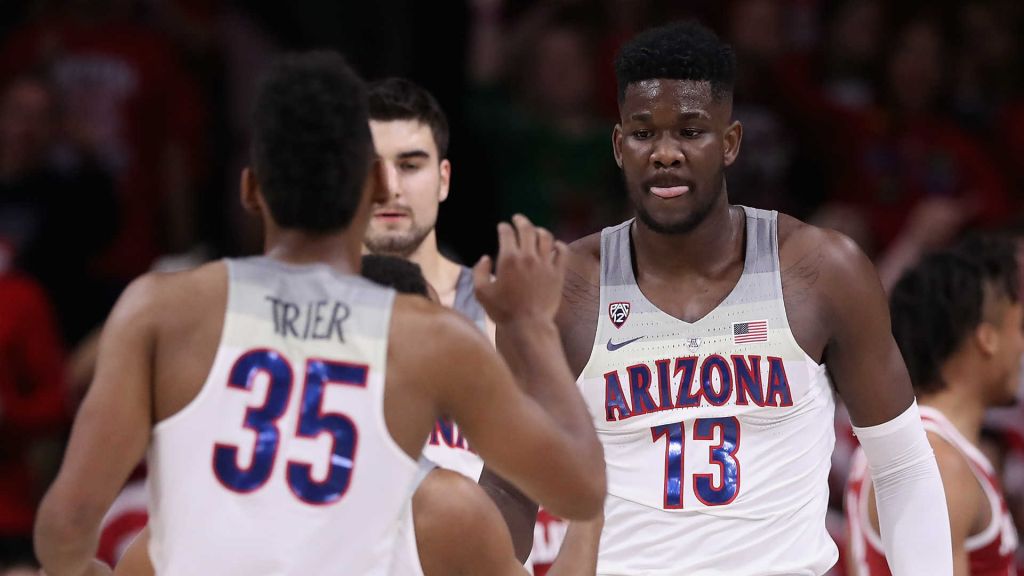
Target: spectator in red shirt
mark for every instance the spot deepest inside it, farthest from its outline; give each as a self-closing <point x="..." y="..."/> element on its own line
<point x="31" y="404"/>
<point x="131" y="104"/>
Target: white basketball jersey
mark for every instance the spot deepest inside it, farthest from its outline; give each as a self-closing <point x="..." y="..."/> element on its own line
<point x="717" y="434"/>
<point x="283" y="464"/>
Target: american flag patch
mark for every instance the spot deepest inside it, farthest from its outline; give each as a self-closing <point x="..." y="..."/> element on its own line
<point x="747" y="332"/>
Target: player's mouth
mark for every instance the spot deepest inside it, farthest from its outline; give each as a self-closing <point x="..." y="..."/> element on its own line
<point x="391" y="215"/>
<point x="668" y="187"/>
<point x="669" y="192"/>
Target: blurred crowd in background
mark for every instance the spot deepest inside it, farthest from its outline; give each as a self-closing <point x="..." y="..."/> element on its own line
<point x="123" y="128"/>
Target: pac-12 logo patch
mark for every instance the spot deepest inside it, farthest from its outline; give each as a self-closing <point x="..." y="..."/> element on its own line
<point x="618" y="312"/>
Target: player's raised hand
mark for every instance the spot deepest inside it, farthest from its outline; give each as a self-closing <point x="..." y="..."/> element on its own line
<point x="527" y="283"/>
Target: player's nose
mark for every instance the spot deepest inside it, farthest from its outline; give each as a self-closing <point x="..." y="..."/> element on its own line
<point x="392" y="183"/>
<point x="667" y="153"/>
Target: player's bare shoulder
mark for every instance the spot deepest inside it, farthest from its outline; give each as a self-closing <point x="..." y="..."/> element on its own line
<point x="581" y="297"/>
<point x="820" y="269"/>
<point x="169" y="300"/>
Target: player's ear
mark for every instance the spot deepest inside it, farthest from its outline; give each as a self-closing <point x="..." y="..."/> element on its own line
<point x="446" y="178"/>
<point x="250" y="192"/>
<point x="733" y="137"/>
<point x="987" y="337"/>
<point x="617" y="144"/>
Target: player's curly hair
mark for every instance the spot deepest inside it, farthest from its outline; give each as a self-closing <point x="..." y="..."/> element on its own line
<point x="404" y="276"/>
<point x="311" y="142"/>
<point x="683" y="50"/>
<point x="937" y="303"/>
<point x="401" y="99"/>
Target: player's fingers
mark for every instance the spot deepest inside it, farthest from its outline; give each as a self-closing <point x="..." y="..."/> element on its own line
<point x="560" y="255"/>
<point x="545" y="242"/>
<point x="506" y="241"/>
<point x="527" y="234"/>
<point x="482" y="274"/>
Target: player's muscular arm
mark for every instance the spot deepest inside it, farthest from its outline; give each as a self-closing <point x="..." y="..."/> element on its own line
<point x="860" y="352"/>
<point x="109" y="437"/>
<point x="555" y="458"/>
<point x="869" y="373"/>
<point x="577" y="327"/>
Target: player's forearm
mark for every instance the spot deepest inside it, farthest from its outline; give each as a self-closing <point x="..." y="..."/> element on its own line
<point x="912" y="513"/>
<point x="575" y="457"/>
<point x="533" y="350"/>
<point x="65" y="539"/>
<point x="578" y="555"/>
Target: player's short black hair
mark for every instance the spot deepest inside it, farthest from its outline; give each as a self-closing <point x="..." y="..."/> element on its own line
<point x="938" y="302"/>
<point x="401" y="99"/>
<point x="404" y="276"/>
<point x="311" y="142"/>
<point x="683" y="50"/>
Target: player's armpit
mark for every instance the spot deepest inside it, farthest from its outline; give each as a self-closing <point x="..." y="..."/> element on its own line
<point x="109" y="438"/>
<point x="861" y="354"/>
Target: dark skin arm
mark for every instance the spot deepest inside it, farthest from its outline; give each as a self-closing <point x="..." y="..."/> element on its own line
<point x="838" y="311"/>
<point x="577" y="326"/>
<point x="437" y="358"/>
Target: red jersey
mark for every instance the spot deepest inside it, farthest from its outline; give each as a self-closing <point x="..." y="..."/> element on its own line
<point x="31" y="394"/>
<point x="991" y="551"/>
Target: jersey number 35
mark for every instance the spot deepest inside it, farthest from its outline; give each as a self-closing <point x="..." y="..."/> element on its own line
<point x="313" y="421"/>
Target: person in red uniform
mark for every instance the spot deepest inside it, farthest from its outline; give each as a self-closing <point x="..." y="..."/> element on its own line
<point x="958" y="322"/>
<point x="31" y="403"/>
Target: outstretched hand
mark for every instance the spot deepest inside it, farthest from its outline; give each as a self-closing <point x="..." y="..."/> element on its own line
<point x="530" y="271"/>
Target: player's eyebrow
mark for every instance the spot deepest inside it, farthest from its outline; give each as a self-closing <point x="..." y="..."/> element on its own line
<point x="694" y="114"/>
<point x="686" y="115"/>
<point x="413" y="154"/>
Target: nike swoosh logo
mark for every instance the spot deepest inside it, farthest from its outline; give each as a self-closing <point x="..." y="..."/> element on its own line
<point x="612" y="346"/>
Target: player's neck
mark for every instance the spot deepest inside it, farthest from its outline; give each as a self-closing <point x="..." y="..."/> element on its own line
<point x="960" y="401"/>
<point x="715" y="243"/>
<point x="440" y="272"/>
<point x="337" y="250"/>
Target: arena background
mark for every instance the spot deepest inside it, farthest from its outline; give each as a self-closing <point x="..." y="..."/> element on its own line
<point x="123" y="126"/>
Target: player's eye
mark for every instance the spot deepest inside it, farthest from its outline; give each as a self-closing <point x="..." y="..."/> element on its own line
<point x="692" y="133"/>
<point x="409" y="166"/>
<point x="641" y="134"/>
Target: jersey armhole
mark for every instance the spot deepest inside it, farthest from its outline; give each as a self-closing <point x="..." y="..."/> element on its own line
<point x="219" y="357"/>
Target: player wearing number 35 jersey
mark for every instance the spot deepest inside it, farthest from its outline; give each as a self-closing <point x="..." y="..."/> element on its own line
<point x="708" y="338"/>
<point x="284" y="400"/>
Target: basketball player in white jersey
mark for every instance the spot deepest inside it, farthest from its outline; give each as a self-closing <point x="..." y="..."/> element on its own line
<point x="709" y="340"/>
<point x="957" y="319"/>
<point x="410" y="134"/>
<point x="284" y="400"/>
<point x="455" y="528"/>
